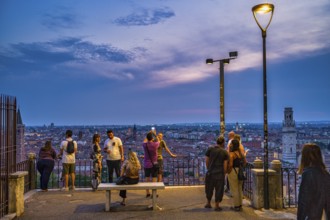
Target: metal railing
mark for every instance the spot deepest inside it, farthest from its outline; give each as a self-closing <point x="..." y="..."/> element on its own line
<point x="8" y="116"/>
<point x="179" y="171"/>
<point x="290" y="180"/>
<point x="247" y="184"/>
<point x="183" y="171"/>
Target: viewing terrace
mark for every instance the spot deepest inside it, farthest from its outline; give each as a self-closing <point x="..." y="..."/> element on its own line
<point x="183" y="197"/>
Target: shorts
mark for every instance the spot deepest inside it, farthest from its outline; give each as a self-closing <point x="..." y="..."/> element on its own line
<point x="151" y="171"/>
<point x="161" y="166"/>
<point x="68" y="168"/>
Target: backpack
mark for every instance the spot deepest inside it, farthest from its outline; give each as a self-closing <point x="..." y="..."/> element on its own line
<point x="70" y="147"/>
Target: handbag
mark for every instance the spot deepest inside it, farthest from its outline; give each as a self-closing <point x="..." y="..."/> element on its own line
<point x="241" y="174"/>
<point x="120" y="180"/>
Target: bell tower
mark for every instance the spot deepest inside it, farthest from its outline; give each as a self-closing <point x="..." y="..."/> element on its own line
<point x="289" y="137"/>
<point x="20" y="149"/>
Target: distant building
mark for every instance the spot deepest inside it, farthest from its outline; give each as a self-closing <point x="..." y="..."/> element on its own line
<point x="134" y="132"/>
<point x="289" y="137"/>
<point x="20" y="147"/>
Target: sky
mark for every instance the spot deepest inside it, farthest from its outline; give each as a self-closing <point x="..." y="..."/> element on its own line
<point x="81" y="62"/>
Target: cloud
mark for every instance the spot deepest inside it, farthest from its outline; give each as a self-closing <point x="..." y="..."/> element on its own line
<point x="145" y="17"/>
<point x="75" y="53"/>
<point x="70" y="49"/>
<point x="61" y="17"/>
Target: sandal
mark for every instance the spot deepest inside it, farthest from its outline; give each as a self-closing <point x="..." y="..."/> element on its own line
<point x="207" y="206"/>
<point x="218" y="209"/>
<point x="236" y="208"/>
<point x="148" y="195"/>
<point x="122" y="203"/>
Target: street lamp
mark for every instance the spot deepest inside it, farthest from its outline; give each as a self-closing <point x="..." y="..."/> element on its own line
<point x="264" y="9"/>
<point x="232" y="55"/>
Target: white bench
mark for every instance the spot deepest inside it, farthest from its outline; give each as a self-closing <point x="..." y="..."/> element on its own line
<point x="140" y="186"/>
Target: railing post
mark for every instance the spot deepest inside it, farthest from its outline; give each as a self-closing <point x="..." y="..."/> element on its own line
<point x="257" y="183"/>
<point x="276" y="165"/>
<point x="16" y="192"/>
<point x="32" y="171"/>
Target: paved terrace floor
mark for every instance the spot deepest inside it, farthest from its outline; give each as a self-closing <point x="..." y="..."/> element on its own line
<point x="174" y="203"/>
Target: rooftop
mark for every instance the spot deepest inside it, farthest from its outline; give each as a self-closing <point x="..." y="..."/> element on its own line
<point x="174" y="203"/>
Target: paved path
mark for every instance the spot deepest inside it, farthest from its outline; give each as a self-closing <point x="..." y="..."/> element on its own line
<point x="174" y="203"/>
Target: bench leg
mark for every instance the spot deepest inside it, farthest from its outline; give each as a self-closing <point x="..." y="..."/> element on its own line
<point x="154" y="199"/>
<point x="107" y="200"/>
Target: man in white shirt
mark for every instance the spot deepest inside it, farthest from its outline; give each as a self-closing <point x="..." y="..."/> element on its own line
<point x="231" y="136"/>
<point x="68" y="161"/>
<point x="115" y="154"/>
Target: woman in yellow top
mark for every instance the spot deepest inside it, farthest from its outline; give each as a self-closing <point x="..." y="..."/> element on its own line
<point x="130" y="172"/>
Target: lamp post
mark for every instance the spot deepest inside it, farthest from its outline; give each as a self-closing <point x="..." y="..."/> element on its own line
<point x="232" y="55"/>
<point x="264" y="9"/>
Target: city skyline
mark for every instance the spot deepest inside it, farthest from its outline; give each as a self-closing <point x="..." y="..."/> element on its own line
<point x="142" y="62"/>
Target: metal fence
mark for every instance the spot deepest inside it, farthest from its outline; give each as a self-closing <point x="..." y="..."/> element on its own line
<point x="183" y="171"/>
<point x="8" y="116"/>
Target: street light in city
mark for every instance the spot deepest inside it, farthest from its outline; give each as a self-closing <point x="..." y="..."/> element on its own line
<point x="266" y="11"/>
<point x="232" y="55"/>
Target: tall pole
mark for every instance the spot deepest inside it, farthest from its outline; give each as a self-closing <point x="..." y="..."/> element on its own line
<point x="266" y="188"/>
<point x="222" y="98"/>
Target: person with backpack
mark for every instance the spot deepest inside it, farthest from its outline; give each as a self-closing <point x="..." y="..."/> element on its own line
<point x="68" y="150"/>
<point x="216" y="159"/>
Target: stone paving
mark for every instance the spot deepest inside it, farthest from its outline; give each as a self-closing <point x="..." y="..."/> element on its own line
<point x="174" y="203"/>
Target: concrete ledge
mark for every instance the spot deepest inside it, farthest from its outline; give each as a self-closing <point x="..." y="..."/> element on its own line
<point x="18" y="174"/>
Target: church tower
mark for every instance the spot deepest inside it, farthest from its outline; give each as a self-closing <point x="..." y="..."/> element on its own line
<point x="289" y="137"/>
<point x="20" y="148"/>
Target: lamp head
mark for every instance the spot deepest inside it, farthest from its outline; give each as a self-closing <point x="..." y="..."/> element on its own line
<point x="209" y="61"/>
<point x="233" y="54"/>
<point x="263" y="9"/>
<point x="226" y="61"/>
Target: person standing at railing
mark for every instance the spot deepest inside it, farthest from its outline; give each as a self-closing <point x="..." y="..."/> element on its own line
<point x="235" y="157"/>
<point x="241" y="147"/>
<point x="45" y="164"/>
<point x="115" y="154"/>
<point x="242" y="150"/>
<point x="96" y="156"/>
<point x="216" y="159"/>
<point x="314" y="191"/>
<point x="162" y="145"/>
<point x="231" y="136"/>
<point x="151" y="167"/>
<point x="68" y="160"/>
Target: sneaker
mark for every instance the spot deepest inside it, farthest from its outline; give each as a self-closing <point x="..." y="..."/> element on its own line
<point x="73" y="188"/>
<point x="65" y="189"/>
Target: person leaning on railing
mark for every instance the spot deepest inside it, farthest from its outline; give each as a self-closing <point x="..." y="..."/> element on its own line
<point x="45" y="164"/>
<point x="314" y="191"/>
